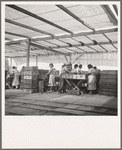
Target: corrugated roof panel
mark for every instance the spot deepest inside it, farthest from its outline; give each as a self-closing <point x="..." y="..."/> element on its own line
<point x="109" y="47"/>
<point x="87" y="49"/>
<point x="75" y="49"/>
<point x="72" y="25"/>
<point x="29" y="21"/>
<point x="82" y="39"/>
<point x="56" y="31"/>
<point x="13" y="14"/>
<point x="45" y="43"/>
<point x="76" y="29"/>
<point x="92" y="14"/>
<point x="84" y="11"/>
<point x="39" y="9"/>
<point x="70" y="41"/>
<point x="56" y="16"/>
<point x="57" y="42"/>
<point x="64" y="50"/>
<point x="99" y="25"/>
<point x="50" y="29"/>
<point x="98" y="37"/>
<point x="113" y="36"/>
<point x="13" y="47"/>
<point x="98" y="48"/>
<point x="98" y="19"/>
<point x="12" y="37"/>
<point x="10" y="27"/>
<point x="33" y="34"/>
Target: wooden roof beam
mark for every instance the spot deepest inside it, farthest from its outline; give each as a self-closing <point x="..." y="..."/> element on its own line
<point x="109" y="40"/>
<point x="113" y="11"/>
<point x="46" y="48"/>
<point x="15" y="34"/>
<point x="7" y="39"/>
<point x="78" y="58"/>
<point x="100" y="31"/>
<point x="116" y="9"/>
<point x="92" y="48"/>
<point x="75" y="17"/>
<point x="38" y="17"/>
<point x="109" y="12"/>
<point x="81" y="49"/>
<point x="96" y="43"/>
<point x="16" y="42"/>
<point x="28" y="27"/>
<point x="77" y="45"/>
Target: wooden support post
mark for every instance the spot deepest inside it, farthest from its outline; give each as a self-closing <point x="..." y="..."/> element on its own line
<point x="78" y="58"/>
<point x="37" y="61"/>
<point x="66" y="58"/>
<point x="28" y="52"/>
<point x="70" y="58"/>
<point x="10" y="63"/>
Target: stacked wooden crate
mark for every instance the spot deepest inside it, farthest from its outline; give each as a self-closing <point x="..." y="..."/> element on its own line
<point x="108" y="83"/>
<point x="22" y="80"/>
<point x="29" y="79"/>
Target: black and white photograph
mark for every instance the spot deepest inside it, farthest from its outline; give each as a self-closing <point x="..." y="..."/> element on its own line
<point x="61" y="60"/>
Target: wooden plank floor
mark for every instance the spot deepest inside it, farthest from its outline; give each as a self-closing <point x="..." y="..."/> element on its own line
<point x="19" y="103"/>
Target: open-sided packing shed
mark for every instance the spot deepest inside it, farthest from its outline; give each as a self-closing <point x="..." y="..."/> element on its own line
<point x="62" y="33"/>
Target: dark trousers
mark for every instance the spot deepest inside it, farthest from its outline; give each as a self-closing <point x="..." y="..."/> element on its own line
<point x="62" y="85"/>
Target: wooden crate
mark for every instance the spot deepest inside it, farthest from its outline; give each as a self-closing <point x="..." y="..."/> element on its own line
<point x="31" y="68"/>
<point x="108" y="76"/>
<point x="108" y="80"/>
<point x="30" y="90"/>
<point x="74" y="92"/>
<point x="108" y="85"/>
<point x="30" y="72"/>
<point x="29" y="81"/>
<point x="109" y="72"/>
<point x="30" y="86"/>
<point x="33" y="77"/>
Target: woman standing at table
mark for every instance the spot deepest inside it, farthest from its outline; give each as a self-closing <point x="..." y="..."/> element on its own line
<point x="91" y="82"/>
<point x="80" y="71"/>
<point x="74" y="71"/>
<point x="15" y="82"/>
<point x="62" y="82"/>
<point x="51" y="77"/>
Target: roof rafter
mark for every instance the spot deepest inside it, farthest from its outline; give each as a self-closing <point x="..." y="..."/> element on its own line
<point x="46" y="48"/>
<point x="81" y="49"/>
<point x="109" y="40"/>
<point x="71" y="50"/>
<point x="75" y="17"/>
<point x="100" y="31"/>
<point x="78" y="58"/>
<point x="51" y="43"/>
<point x="113" y="11"/>
<point x="27" y="27"/>
<point x="38" y="17"/>
<point x="15" y="34"/>
<point x="109" y="11"/>
<point x="115" y="8"/>
<point x="97" y="43"/>
<point x="15" y="48"/>
<point x="92" y="48"/>
<point x="7" y="39"/>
